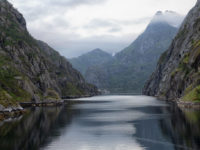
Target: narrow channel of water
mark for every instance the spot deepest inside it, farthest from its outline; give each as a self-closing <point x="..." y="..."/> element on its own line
<point x="104" y="123"/>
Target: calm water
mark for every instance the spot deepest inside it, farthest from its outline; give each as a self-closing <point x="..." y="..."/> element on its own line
<point x="104" y="123"/>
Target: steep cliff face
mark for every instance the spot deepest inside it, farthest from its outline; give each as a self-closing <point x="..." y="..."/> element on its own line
<point x="30" y="69"/>
<point x="178" y="70"/>
<point x="128" y="70"/>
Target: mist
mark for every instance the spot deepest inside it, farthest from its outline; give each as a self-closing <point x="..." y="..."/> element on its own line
<point x="74" y="27"/>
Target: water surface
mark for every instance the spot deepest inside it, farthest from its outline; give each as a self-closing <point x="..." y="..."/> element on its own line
<point x="104" y="123"/>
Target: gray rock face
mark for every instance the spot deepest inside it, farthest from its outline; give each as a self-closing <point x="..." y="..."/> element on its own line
<point x="177" y="72"/>
<point x="1" y="108"/>
<point x="29" y="68"/>
<point x="18" y="16"/>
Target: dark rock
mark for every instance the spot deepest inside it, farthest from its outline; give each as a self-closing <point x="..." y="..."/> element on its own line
<point x="31" y="68"/>
<point x="177" y="72"/>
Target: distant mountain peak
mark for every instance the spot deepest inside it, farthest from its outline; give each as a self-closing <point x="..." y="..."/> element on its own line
<point x="97" y="50"/>
<point x="170" y="12"/>
<point x="89" y="59"/>
<point x="168" y="16"/>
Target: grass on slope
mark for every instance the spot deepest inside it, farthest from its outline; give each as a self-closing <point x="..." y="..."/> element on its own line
<point x="71" y="90"/>
<point x="192" y="95"/>
<point x="10" y="91"/>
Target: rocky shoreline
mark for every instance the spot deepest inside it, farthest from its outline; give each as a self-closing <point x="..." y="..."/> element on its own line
<point x="13" y="112"/>
<point x="188" y="105"/>
<point x="42" y="104"/>
<point x="182" y="104"/>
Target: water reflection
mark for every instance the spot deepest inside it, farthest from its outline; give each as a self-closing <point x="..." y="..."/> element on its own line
<point x="105" y="123"/>
<point x="31" y="131"/>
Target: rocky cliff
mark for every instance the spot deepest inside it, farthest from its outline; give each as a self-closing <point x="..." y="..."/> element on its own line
<point x="177" y="75"/>
<point x="30" y="70"/>
<point x="128" y="70"/>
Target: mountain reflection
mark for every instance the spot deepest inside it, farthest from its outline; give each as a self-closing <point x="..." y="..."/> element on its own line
<point x="174" y="130"/>
<point x="108" y="123"/>
<point x="31" y="131"/>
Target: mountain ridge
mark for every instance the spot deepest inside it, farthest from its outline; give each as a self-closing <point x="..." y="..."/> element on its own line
<point x="128" y="69"/>
<point x="177" y="74"/>
<point x="30" y="70"/>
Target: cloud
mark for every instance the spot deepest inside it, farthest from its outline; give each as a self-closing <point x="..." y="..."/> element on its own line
<point x="115" y="29"/>
<point x="98" y="23"/>
<point x="110" y="44"/>
<point x="170" y="17"/>
<point x="113" y="25"/>
<point x="76" y="26"/>
<point x="108" y="25"/>
<point x="36" y="9"/>
<point x="72" y="3"/>
<point x="136" y="21"/>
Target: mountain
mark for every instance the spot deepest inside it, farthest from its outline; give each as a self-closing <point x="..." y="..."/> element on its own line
<point x="129" y="69"/>
<point x="30" y="70"/>
<point x="177" y="75"/>
<point x="85" y="61"/>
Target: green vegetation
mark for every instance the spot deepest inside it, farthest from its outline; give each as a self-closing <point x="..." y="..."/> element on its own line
<point x="183" y="63"/>
<point x="188" y="89"/>
<point x="195" y="44"/>
<point x="175" y="72"/>
<point x="28" y="68"/>
<point x="192" y="116"/>
<point x="52" y="95"/>
<point x="197" y="53"/>
<point x="193" y="95"/>
<point x="196" y="49"/>
<point x="182" y="33"/>
<point x="129" y="69"/>
<point x="71" y="90"/>
<point x="183" y="66"/>
<point x="13" y="33"/>
<point x="186" y="58"/>
<point x="8" y="92"/>
<point x="6" y="99"/>
<point x="162" y="57"/>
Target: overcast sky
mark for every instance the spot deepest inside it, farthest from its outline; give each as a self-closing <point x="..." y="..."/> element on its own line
<point x="74" y="27"/>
